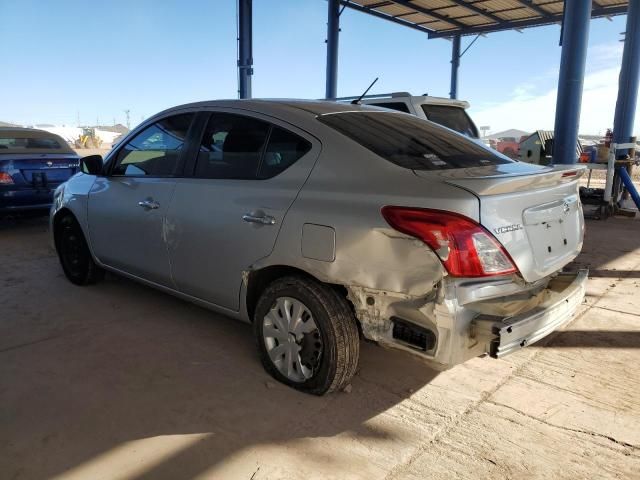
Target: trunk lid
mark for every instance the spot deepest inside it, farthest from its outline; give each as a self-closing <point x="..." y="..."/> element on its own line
<point x="533" y="211"/>
<point x="46" y="169"/>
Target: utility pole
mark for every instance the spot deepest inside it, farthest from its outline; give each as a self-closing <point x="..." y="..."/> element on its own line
<point x="127" y="112"/>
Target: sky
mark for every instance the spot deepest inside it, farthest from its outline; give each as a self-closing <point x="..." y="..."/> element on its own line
<point x="70" y="60"/>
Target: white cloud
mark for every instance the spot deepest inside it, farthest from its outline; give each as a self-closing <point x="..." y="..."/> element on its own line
<point x="529" y="110"/>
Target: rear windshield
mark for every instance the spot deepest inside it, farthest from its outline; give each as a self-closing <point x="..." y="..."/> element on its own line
<point x="40" y="144"/>
<point x="454" y="118"/>
<point x="411" y="142"/>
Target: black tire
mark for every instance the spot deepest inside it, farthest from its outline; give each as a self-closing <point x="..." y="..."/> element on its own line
<point x="73" y="251"/>
<point x="336" y="325"/>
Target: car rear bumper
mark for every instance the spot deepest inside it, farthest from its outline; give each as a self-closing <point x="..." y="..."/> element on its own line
<point x="466" y="318"/>
<point x="509" y="334"/>
<point x="21" y="199"/>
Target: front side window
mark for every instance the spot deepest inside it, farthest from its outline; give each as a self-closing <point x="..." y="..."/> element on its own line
<point x="231" y="147"/>
<point x="454" y="118"/>
<point x="411" y="142"/>
<point x="156" y="151"/>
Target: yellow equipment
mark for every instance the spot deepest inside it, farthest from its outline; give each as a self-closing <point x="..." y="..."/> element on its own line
<point x="88" y="139"/>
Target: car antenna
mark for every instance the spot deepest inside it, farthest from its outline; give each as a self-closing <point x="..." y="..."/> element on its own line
<point x="357" y="101"/>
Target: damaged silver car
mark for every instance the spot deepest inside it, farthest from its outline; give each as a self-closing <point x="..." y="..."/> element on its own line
<point x="321" y="223"/>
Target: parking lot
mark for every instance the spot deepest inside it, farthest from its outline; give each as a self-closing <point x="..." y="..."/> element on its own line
<point x="120" y="381"/>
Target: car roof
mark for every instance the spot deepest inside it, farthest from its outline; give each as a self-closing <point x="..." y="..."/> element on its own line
<point x="32" y="132"/>
<point x="277" y="105"/>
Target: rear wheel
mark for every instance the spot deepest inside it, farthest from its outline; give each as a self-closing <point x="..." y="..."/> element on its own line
<point x="73" y="251"/>
<point x="307" y="335"/>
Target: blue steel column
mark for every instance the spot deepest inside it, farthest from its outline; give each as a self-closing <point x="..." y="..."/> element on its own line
<point x="455" y="64"/>
<point x="245" y="48"/>
<point x="333" y="32"/>
<point x="629" y="77"/>
<point x="575" y="37"/>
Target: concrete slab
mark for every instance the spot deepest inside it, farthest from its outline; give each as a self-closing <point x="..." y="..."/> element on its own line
<point x="120" y="381"/>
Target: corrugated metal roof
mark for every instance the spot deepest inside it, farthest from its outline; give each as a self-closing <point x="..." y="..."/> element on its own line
<point x="445" y="18"/>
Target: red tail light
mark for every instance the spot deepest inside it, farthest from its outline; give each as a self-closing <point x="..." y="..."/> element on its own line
<point x="465" y="248"/>
<point x="5" y="179"/>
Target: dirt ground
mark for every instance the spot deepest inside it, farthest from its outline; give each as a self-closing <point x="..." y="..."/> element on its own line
<point x="119" y="381"/>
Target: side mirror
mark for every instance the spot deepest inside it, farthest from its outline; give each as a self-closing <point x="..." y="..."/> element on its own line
<point x="92" y="164"/>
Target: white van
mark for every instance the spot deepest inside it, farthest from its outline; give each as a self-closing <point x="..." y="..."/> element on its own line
<point x="447" y="112"/>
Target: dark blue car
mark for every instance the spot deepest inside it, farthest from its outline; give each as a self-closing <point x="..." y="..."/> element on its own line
<point x="32" y="164"/>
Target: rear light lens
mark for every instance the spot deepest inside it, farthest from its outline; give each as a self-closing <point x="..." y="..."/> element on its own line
<point x="465" y="248"/>
<point x="5" y="179"/>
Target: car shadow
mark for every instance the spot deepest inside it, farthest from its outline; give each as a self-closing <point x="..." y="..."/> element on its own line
<point x="143" y="365"/>
<point x="24" y="220"/>
<point x="593" y="339"/>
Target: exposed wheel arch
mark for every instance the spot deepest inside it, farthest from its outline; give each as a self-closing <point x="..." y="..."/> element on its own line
<point x="258" y="280"/>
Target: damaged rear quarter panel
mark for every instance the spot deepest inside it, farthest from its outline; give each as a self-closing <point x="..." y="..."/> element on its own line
<point x="372" y="261"/>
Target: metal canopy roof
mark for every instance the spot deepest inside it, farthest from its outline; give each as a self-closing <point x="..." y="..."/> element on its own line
<point x="446" y="18"/>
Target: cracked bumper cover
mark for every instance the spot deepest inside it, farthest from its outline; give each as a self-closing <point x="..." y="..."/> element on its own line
<point x="510" y="334"/>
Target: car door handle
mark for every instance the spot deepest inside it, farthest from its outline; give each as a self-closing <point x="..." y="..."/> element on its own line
<point x="261" y="219"/>
<point x="149" y="204"/>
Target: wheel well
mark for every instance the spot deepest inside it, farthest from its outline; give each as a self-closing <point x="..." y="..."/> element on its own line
<point x="259" y="279"/>
<point x="60" y="214"/>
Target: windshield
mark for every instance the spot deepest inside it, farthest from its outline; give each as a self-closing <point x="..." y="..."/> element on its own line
<point x="411" y="142"/>
<point x="454" y="118"/>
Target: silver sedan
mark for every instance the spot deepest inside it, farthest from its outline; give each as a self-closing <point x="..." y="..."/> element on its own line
<point x="320" y="223"/>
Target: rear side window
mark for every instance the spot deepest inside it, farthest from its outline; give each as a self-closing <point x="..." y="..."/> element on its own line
<point x="156" y="151"/>
<point x="245" y="148"/>
<point x="454" y="118"/>
<point x="231" y="147"/>
<point x="399" y="106"/>
<point x="284" y="149"/>
<point x="33" y="143"/>
<point x="411" y="142"/>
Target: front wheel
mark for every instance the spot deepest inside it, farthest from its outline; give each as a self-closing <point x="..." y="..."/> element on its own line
<point x="75" y="257"/>
<point x="307" y="335"/>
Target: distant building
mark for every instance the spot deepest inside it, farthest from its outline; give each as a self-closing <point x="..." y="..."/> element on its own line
<point x="511" y="133"/>
<point x="538" y="148"/>
<point x="117" y="128"/>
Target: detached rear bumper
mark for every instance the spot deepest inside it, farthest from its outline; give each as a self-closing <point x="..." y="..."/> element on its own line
<point x="509" y="334"/>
